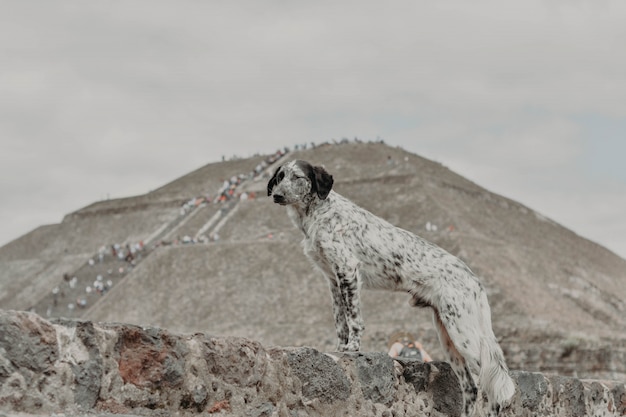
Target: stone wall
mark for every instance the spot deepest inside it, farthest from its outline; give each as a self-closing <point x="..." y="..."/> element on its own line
<point x="80" y="367"/>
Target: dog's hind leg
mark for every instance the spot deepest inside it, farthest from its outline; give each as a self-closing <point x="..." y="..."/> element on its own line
<point x="459" y="366"/>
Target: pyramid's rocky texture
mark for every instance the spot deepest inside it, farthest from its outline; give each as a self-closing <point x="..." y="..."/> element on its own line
<point x="557" y="299"/>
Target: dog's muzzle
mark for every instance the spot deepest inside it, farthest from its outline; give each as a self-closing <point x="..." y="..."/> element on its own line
<point x="279" y="199"/>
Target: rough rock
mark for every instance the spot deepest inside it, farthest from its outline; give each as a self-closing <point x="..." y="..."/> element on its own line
<point x="85" y="368"/>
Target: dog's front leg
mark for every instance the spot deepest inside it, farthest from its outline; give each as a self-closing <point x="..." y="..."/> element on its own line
<point x="349" y="288"/>
<point x="339" y="313"/>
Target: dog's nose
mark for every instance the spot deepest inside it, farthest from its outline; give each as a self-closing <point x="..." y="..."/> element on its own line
<point x="279" y="199"/>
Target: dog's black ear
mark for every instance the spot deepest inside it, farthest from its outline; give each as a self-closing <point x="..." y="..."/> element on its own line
<point x="321" y="182"/>
<point x="273" y="181"/>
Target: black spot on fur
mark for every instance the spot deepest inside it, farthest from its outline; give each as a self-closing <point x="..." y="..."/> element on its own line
<point x="273" y="181"/>
<point x="321" y="181"/>
<point x="418" y="301"/>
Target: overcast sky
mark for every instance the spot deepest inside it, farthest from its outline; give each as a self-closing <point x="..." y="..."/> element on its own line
<point x="117" y="98"/>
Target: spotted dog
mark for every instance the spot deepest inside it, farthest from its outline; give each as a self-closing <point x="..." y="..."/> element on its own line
<point x="354" y="248"/>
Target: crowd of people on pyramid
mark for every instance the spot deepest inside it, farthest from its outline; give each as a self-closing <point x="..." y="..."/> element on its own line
<point x="124" y="258"/>
<point x="228" y="189"/>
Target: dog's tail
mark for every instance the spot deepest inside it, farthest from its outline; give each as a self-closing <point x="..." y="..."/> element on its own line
<point x="494" y="376"/>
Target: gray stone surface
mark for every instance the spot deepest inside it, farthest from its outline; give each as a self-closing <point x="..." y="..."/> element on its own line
<point x="80" y="368"/>
<point x="533" y="387"/>
<point x="321" y="377"/>
<point x="375" y="371"/>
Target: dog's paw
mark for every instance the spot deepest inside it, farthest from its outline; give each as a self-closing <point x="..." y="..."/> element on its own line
<point x="351" y="347"/>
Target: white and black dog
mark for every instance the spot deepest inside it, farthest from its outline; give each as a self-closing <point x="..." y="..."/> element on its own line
<point x="355" y="248"/>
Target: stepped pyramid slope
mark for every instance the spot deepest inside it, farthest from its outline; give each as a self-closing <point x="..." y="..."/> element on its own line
<point x="557" y="298"/>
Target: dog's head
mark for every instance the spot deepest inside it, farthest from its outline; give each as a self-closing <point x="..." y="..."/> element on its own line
<point x="296" y="181"/>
